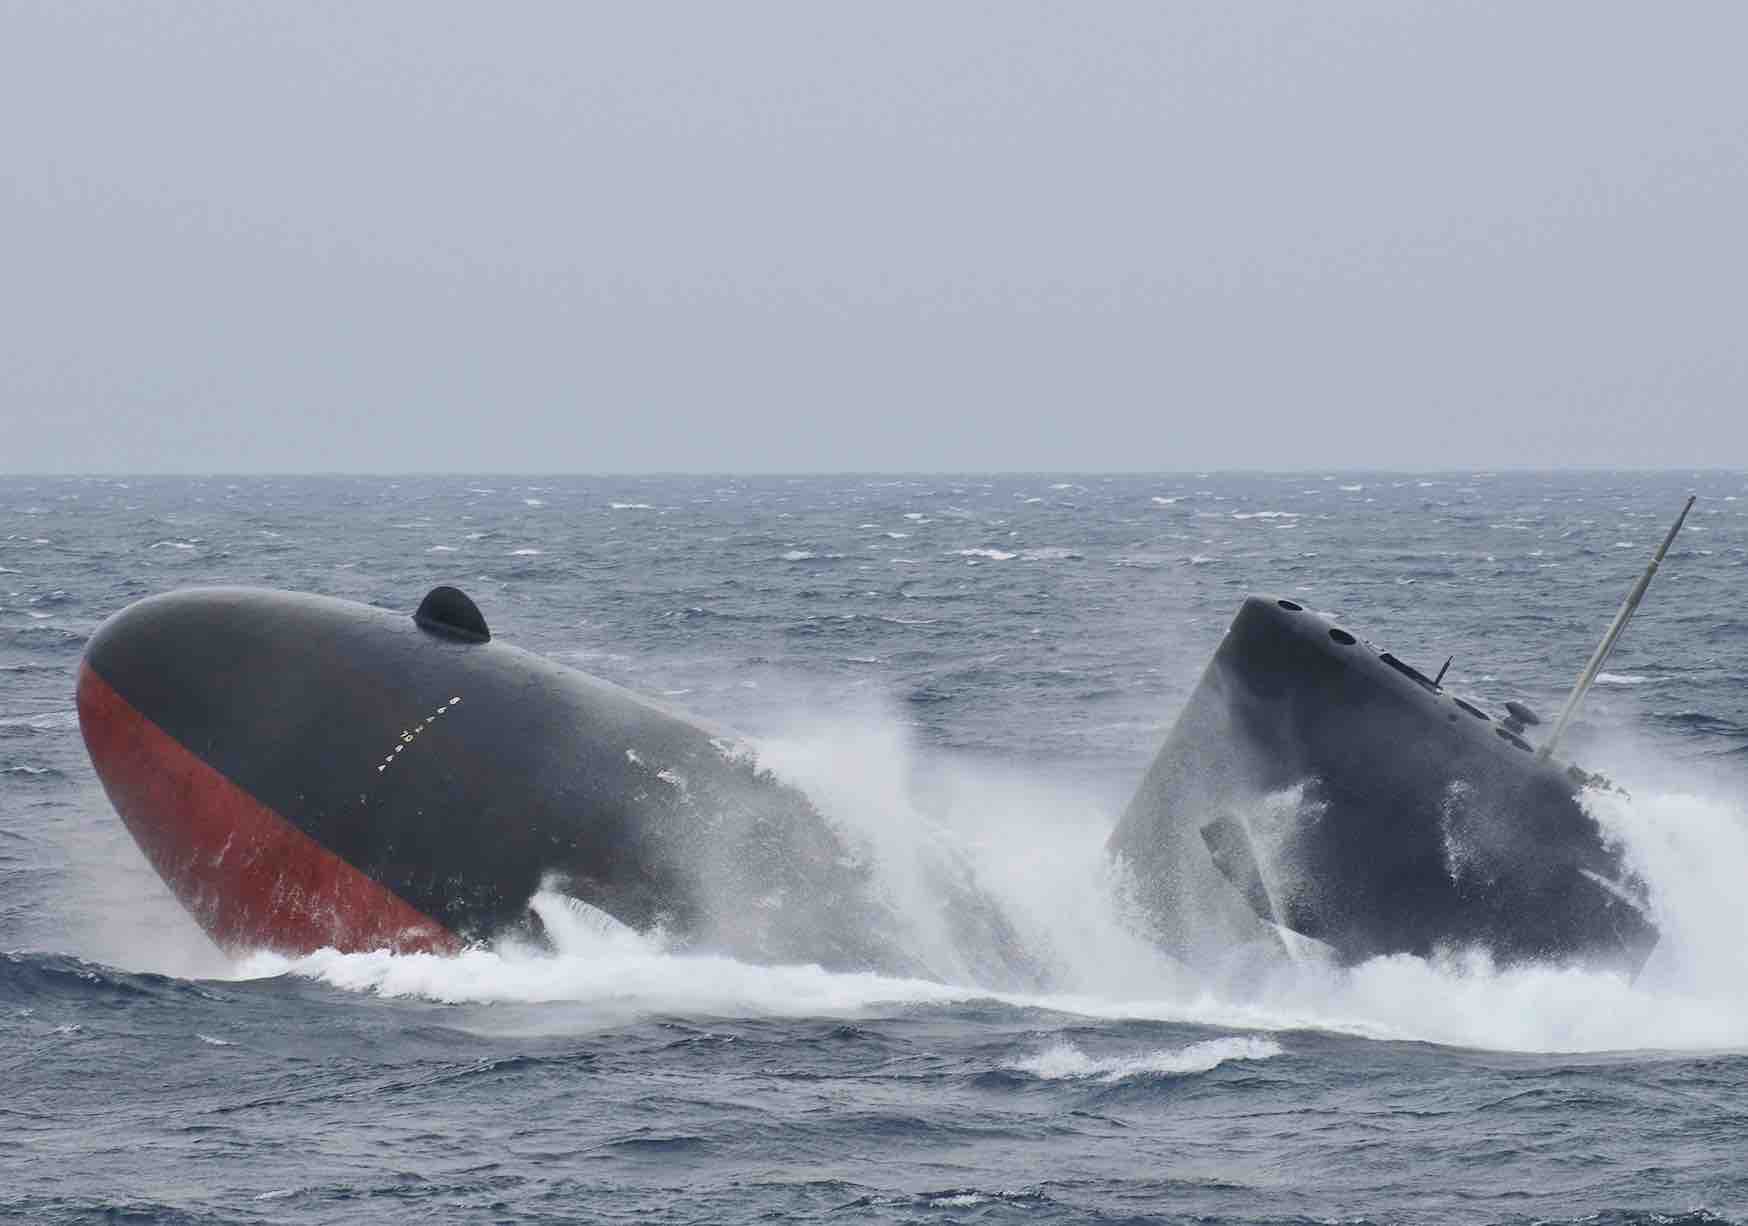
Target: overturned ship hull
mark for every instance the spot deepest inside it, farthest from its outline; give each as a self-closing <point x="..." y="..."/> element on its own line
<point x="1317" y="785"/>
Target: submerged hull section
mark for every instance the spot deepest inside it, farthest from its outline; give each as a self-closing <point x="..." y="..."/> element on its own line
<point x="307" y="772"/>
<point x="1324" y="787"/>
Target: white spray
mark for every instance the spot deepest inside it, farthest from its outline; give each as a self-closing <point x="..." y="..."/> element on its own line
<point x="1039" y="852"/>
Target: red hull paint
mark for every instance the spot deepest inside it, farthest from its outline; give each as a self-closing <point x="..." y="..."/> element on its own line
<point x="251" y="878"/>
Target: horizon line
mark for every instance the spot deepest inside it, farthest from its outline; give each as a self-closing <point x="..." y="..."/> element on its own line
<point x="801" y="474"/>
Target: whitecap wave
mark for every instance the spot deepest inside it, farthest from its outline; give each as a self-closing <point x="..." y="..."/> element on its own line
<point x="1063" y="1060"/>
<point x="616" y="973"/>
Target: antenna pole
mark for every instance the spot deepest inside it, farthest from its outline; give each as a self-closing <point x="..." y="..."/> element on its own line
<point x="1600" y="656"/>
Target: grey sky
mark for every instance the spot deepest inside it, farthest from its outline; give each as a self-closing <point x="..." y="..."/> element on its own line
<point x="811" y="236"/>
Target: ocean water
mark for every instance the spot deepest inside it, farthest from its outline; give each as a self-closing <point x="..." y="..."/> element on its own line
<point x="973" y="667"/>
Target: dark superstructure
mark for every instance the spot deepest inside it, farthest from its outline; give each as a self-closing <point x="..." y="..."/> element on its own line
<point x="1333" y="790"/>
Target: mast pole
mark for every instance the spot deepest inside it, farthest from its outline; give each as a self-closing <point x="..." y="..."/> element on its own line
<point x="1600" y="656"/>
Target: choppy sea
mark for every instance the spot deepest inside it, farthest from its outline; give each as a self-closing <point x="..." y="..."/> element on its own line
<point x="979" y="663"/>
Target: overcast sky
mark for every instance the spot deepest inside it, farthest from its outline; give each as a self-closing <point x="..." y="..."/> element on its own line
<point x="889" y="236"/>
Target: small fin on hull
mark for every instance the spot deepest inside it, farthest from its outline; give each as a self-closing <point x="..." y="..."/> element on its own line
<point x="594" y="920"/>
<point x="569" y="925"/>
<point x="1233" y="854"/>
<point x="1304" y="950"/>
<point x="450" y="611"/>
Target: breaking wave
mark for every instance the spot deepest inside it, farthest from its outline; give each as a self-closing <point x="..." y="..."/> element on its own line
<point x="1064" y="1060"/>
<point x="1039" y="854"/>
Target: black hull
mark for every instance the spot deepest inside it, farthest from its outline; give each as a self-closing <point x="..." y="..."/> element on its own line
<point x="1319" y="783"/>
<point x="305" y="771"/>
